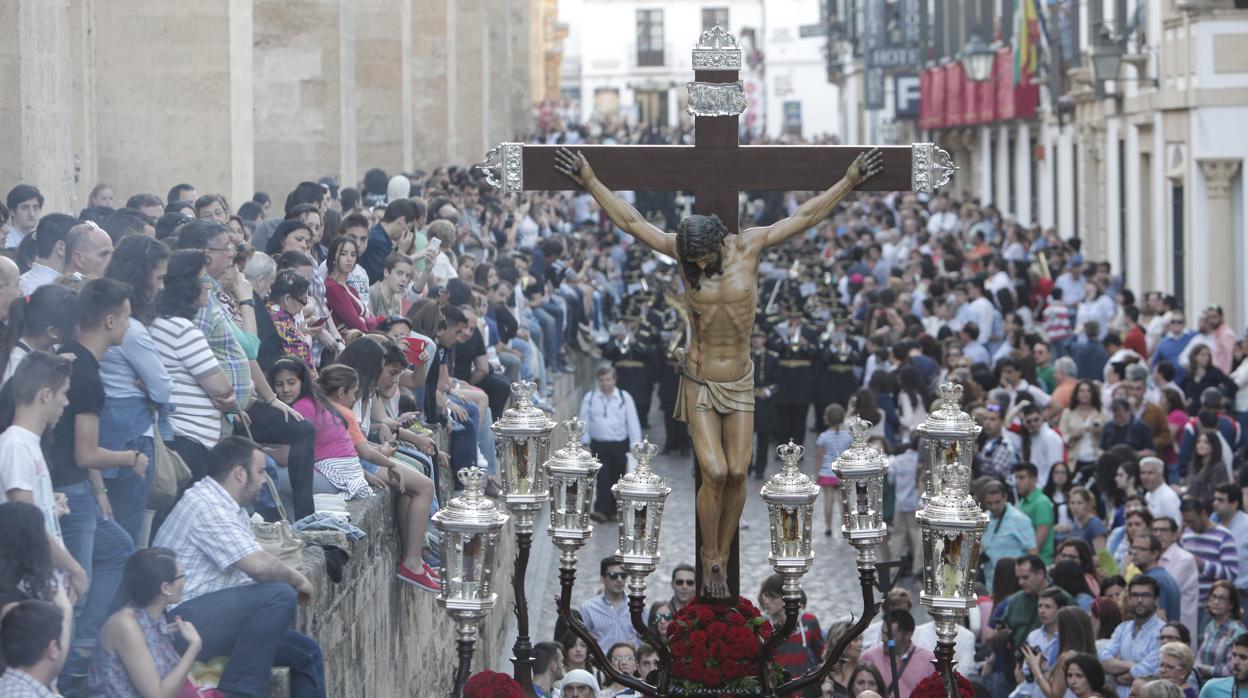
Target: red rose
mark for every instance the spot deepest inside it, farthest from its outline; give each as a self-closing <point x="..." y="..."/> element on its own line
<point x="698" y="654"/>
<point x="740" y="634"/>
<point x="718" y="649"/>
<point x="717" y="629"/>
<point x="704" y="614"/>
<point x="679" y="647"/>
<point x="697" y="638"/>
<point x="764" y="630"/>
<point x="712" y="676"/>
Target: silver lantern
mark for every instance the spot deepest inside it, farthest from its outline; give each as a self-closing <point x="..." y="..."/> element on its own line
<point x="573" y="473"/>
<point x="522" y="441"/>
<point x="951" y="522"/>
<point x="640" y="496"/>
<point x="861" y="469"/>
<point x="790" y="498"/>
<point x="469" y="526"/>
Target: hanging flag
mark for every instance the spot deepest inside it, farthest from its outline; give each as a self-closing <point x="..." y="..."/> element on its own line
<point x="1026" y="39"/>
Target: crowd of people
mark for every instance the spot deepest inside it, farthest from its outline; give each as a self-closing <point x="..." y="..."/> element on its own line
<point x="283" y="355"/>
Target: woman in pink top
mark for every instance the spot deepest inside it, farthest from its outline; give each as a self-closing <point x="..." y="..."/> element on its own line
<point x="345" y="306"/>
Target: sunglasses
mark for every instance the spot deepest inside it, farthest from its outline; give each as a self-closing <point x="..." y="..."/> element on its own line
<point x="616" y="575"/>
<point x="663" y="616"/>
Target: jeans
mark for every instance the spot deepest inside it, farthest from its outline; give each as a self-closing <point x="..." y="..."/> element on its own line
<point x="101" y="546"/>
<point x="270" y="425"/>
<point x="127" y="492"/>
<point x="552" y="335"/>
<point x="251" y="625"/>
<point x="123" y="423"/>
<point x="526" y="357"/>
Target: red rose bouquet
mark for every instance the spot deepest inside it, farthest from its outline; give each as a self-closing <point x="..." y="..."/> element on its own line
<point x="933" y="687"/>
<point x="718" y="645"/>
<point x="492" y="684"/>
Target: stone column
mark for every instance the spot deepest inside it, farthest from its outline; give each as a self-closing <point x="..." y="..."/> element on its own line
<point x="36" y="107"/>
<point x="1022" y="174"/>
<point x="305" y="102"/>
<point x="1001" y="168"/>
<point x="983" y="164"/>
<point x="383" y="84"/>
<point x="472" y="79"/>
<point x="180" y="105"/>
<point x="1218" y="174"/>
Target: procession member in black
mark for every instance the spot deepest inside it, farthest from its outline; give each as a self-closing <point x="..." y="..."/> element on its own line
<point x="766" y="370"/>
<point x="840" y="363"/>
<point x="674" y="335"/>
<point x="631" y="352"/>
<point x="796" y="343"/>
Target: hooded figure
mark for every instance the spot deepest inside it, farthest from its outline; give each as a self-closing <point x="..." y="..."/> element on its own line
<point x="580" y="677"/>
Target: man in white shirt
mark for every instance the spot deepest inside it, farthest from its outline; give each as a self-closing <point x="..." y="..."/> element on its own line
<point x="1182" y="566"/>
<point x="49" y="249"/>
<point x="39" y="391"/>
<point x="1161" y="498"/>
<point x="1012" y="381"/>
<point x="610" y="416"/>
<point x="1040" y="444"/>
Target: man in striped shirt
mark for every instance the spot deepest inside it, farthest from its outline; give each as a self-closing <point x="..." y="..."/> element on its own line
<point x="1213" y="546"/>
<point x="606" y="615"/>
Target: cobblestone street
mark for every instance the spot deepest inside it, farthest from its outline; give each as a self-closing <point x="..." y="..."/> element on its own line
<point x="832" y="586"/>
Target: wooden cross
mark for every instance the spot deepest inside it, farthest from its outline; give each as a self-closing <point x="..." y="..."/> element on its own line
<point x="717" y="167"/>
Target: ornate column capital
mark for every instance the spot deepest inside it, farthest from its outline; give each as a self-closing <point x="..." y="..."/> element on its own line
<point x="1218" y="174"/>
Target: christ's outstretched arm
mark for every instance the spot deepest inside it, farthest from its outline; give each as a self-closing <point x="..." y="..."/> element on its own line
<point x="809" y="214"/>
<point x="575" y="165"/>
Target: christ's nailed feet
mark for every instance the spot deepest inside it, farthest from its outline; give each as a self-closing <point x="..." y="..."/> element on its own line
<point x="714" y="581"/>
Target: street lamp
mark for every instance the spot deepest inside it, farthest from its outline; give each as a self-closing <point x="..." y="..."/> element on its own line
<point x="1106" y="57"/>
<point x="469" y="526"/>
<point x="952" y="524"/>
<point x="977" y="59"/>
<point x="523" y="442"/>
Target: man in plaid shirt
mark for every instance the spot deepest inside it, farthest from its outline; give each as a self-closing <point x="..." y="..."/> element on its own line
<point x="239" y="597"/>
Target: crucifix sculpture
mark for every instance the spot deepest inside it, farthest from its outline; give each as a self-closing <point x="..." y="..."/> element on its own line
<point x="720" y="271"/>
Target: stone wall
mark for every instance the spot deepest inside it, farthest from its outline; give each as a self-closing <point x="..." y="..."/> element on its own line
<point x="407" y="640"/>
<point x="238" y="95"/>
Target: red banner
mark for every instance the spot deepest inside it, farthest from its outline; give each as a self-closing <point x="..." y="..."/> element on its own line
<point x="939" y="119"/>
<point x="1013" y="101"/>
<point x="954" y="80"/>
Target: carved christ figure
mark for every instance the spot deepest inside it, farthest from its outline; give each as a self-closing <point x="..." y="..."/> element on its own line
<point x="716" y="395"/>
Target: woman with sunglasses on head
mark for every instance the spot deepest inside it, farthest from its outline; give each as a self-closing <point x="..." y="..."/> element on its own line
<point x="838" y="682"/>
<point x="286" y="299"/>
<point x="136" y="657"/>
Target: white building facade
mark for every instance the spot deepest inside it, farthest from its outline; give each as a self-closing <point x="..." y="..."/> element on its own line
<point x="630" y="60"/>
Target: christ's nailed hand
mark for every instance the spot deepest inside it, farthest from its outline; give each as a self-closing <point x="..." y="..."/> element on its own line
<point x="865" y="166"/>
<point x="573" y="165"/>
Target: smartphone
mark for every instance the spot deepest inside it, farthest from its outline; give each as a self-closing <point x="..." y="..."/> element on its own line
<point x="435" y="244"/>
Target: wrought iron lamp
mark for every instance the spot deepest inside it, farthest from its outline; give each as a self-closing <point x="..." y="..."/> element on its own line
<point x="790" y="498"/>
<point x="1106" y="56"/>
<point x="522" y="441"/>
<point x="951" y="523"/>
<point x="641" y="494"/>
<point x="977" y="59"/>
<point x="640" y="497"/>
<point x="469" y="526"/>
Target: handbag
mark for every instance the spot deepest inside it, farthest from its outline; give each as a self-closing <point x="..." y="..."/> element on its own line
<point x="277" y="538"/>
<point x="170" y="474"/>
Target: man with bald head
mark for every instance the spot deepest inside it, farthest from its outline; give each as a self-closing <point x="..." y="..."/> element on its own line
<point x="9" y="288"/>
<point x="88" y="250"/>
